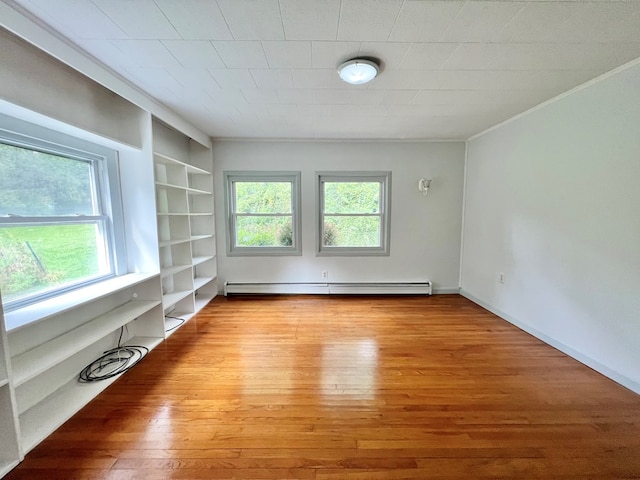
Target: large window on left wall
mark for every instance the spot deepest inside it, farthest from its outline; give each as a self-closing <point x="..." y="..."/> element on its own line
<point x="60" y="214"/>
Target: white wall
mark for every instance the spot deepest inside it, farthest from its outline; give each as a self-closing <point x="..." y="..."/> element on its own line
<point x="425" y="232"/>
<point x="552" y="200"/>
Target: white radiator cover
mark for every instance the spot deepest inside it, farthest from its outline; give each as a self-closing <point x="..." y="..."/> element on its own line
<point x="349" y="288"/>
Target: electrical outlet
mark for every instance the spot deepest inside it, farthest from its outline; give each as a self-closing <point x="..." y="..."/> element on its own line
<point x="501" y="277"/>
<point x="325" y="274"/>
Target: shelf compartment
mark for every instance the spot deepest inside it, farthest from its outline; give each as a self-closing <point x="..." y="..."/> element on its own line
<point x="171" y="173"/>
<point x="167" y="160"/>
<point x="172" y="227"/>
<point x="38" y="422"/>
<point x="198" y="260"/>
<point x="173" y="270"/>
<point x="172" y="298"/>
<point x="171" y="200"/>
<point x="200" y="282"/>
<point x="201" y="204"/>
<point x="38" y="360"/>
<point x="202" y="299"/>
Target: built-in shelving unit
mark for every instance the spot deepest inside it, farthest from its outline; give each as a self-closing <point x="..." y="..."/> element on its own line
<point x="186" y="232"/>
<point x="45" y="346"/>
<point x="46" y="360"/>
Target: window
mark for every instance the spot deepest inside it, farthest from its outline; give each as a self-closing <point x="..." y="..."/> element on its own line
<point x="263" y="213"/>
<point x="354" y="213"/>
<point x="56" y="214"/>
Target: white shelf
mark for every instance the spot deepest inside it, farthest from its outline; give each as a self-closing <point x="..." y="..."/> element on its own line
<point x="168" y="243"/>
<point x="38" y="360"/>
<point x="195" y="191"/>
<point x="38" y="422"/>
<point x="200" y="214"/>
<point x="200" y="282"/>
<point x="200" y="237"/>
<point x="171" y="185"/>
<point x="3" y="382"/>
<point x="160" y="158"/>
<point x="174" y="297"/>
<point x="202" y="259"/>
<point x="41" y="311"/>
<point x="165" y="272"/>
<point x="177" y="214"/>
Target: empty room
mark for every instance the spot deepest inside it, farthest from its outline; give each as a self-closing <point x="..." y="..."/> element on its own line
<point x="319" y="239"/>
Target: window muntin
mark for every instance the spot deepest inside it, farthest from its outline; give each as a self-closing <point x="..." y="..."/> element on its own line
<point x="56" y="225"/>
<point x="263" y="213"/>
<point x="354" y="213"/>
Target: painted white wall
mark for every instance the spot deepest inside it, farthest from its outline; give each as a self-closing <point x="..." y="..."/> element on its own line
<point x="552" y="200"/>
<point x="425" y="231"/>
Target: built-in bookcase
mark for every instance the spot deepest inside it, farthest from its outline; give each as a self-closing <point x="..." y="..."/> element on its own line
<point x="186" y="232"/>
<point x="46" y="360"/>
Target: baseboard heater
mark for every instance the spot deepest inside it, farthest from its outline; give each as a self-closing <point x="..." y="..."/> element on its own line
<point x="348" y="288"/>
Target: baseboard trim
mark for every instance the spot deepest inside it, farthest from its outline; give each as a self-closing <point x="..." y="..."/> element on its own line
<point x="580" y="357"/>
<point x="330" y="288"/>
<point x="446" y="291"/>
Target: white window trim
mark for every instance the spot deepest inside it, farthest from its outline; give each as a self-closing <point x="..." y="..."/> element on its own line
<point x="105" y="169"/>
<point x="263" y="176"/>
<point x="385" y="213"/>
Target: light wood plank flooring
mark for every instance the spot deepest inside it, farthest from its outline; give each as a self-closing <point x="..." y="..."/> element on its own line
<point x="300" y="387"/>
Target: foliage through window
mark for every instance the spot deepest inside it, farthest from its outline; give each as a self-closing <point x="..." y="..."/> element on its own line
<point x="354" y="213"/>
<point x="262" y="213"/>
<point x="55" y="226"/>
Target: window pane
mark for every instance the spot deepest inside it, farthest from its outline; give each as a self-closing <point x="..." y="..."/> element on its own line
<point x="264" y="231"/>
<point x="37" y="258"/>
<point x="351" y="197"/>
<point x="351" y="231"/>
<point x="263" y="197"/>
<point x="33" y="183"/>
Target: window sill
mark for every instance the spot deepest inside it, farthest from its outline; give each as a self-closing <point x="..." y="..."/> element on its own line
<point x="40" y="311"/>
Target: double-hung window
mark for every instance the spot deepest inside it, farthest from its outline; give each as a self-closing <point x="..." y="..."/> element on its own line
<point x="354" y="213"/>
<point x="263" y="213"/>
<point x="58" y="199"/>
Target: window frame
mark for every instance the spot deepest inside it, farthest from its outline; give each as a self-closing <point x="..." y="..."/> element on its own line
<point x="384" y="178"/>
<point x="105" y="181"/>
<point x="293" y="177"/>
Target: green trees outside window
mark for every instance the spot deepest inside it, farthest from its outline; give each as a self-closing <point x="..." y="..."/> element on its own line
<point x="53" y="225"/>
<point x="263" y="213"/>
<point x="354" y="213"/>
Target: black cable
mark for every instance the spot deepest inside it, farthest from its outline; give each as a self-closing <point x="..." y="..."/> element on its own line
<point x="113" y="362"/>
<point x="182" y="320"/>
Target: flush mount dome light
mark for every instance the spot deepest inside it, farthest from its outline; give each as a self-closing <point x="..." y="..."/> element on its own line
<point x="358" y="71"/>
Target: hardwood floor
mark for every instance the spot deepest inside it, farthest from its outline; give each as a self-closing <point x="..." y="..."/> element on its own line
<point x="349" y="388"/>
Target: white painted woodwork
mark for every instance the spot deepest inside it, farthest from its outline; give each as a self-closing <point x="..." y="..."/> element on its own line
<point x="185" y="217"/>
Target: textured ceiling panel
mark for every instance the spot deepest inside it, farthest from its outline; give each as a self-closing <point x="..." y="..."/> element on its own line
<point x="267" y="68"/>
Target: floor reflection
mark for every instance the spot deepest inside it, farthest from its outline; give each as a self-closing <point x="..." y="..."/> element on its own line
<point x="349" y="369"/>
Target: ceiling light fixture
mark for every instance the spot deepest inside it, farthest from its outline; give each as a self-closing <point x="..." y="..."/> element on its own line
<point x="358" y="71"/>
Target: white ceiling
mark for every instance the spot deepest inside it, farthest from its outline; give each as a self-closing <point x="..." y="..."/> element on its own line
<point x="267" y="68"/>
